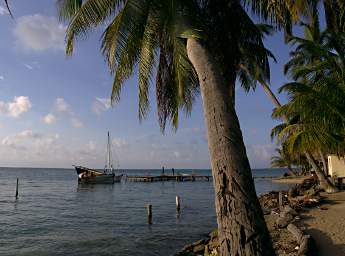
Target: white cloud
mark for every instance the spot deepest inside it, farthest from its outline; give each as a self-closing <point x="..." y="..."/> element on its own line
<point x="32" y="141"/>
<point x="260" y="154"/>
<point x="118" y="142"/>
<point x="2" y="77"/>
<point x="28" y="66"/>
<point x="32" y="65"/>
<point x="39" y="33"/>
<point x="49" y="119"/>
<point x="101" y="105"/>
<point x="177" y="154"/>
<point x="3" y="11"/>
<point x="13" y="140"/>
<point x="91" y="145"/>
<point x="19" y="105"/>
<point x="62" y="106"/>
<point x="263" y="152"/>
<point x="76" y="123"/>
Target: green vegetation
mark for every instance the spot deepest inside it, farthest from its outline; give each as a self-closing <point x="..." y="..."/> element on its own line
<point x="8" y="7"/>
<point x="192" y="46"/>
<point x="314" y="114"/>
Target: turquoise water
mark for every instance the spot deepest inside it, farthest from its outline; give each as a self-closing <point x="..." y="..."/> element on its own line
<point x="56" y="216"/>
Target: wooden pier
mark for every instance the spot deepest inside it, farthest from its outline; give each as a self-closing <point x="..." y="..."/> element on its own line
<point x="178" y="178"/>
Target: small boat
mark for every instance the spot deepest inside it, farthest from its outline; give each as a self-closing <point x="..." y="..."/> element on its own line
<point x="93" y="176"/>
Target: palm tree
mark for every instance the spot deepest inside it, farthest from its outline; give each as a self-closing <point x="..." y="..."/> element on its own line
<point x="250" y="72"/>
<point x="284" y="159"/>
<point x="293" y="11"/>
<point x="288" y="13"/>
<point x="189" y="46"/>
<point x="316" y="98"/>
<point x="8" y="8"/>
<point x="306" y="139"/>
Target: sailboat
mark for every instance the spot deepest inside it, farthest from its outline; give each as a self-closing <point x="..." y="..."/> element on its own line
<point x="88" y="175"/>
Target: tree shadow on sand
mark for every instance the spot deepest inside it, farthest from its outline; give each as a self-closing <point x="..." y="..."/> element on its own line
<point x="324" y="245"/>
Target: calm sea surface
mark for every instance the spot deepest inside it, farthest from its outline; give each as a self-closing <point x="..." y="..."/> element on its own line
<point x="56" y="216"/>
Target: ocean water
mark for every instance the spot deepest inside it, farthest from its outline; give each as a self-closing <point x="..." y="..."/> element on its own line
<point x="55" y="216"/>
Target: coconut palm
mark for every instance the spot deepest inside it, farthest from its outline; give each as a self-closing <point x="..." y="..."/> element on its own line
<point x="316" y="98"/>
<point x="250" y="72"/>
<point x="287" y="13"/>
<point x="284" y="159"/>
<point x="8" y="8"/>
<point x="188" y="46"/>
<point x="306" y="139"/>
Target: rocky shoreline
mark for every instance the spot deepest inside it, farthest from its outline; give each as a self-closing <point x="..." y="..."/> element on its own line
<point x="282" y="214"/>
<point x="207" y="246"/>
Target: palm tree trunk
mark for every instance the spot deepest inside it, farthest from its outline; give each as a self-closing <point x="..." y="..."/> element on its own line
<point x="324" y="162"/>
<point x="241" y="225"/>
<point x="324" y="181"/>
<point x="330" y="16"/>
<point x="269" y="93"/>
<point x="265" y="86"/>
<point x="292" y="171"/>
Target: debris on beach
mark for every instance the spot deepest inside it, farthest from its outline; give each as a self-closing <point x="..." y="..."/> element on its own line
<point x="281" y="210"/>
<point x="205" y="247"/>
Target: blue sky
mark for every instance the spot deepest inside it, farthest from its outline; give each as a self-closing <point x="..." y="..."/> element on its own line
<point x="54" y="110"/>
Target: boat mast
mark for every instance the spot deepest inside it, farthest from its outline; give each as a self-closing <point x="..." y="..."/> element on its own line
<point x="109" y="160"/>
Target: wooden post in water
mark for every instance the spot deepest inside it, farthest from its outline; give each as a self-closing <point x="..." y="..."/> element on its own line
<point x="178" y="204"/>
<point x="149" y="214"/>
<point x="17" y="189"/>
<point x="280" y="200"/>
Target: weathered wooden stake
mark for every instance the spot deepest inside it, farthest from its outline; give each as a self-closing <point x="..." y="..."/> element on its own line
<point x="149" y="214"/>
<point x="178" y="203"/>
<point x="17" y="189"/>
<point x="280" y="199"/>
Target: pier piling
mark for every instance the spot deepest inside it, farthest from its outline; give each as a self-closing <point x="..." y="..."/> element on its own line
<point x="178" y="203"/>
<point x="149" y="214"/>
<point x="17" y="188"/>
<point x="280" y="199"/>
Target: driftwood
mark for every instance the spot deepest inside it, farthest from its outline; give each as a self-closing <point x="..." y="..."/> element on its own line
<point x="305" y="241"/>
<point x="286" y="203"/>
<point x="285" y="216"/>
<point x="304" y="195"/>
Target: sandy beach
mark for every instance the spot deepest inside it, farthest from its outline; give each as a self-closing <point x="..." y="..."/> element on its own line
<point x="326" y="224"/>
<point x="291" y="180"/>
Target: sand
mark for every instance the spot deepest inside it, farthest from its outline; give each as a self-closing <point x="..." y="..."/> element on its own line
<point x="291" y="179"/>
<point x="326" y="224"/>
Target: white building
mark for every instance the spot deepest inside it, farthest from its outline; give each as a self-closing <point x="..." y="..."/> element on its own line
<point x="336" y="166"/>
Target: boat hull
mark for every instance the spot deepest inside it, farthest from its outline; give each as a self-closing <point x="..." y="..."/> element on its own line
<point x="91" y="176"/>
<point x="81" y="169"/>
<point x="102" y="179"/>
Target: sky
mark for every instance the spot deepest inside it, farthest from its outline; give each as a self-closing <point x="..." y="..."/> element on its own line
<point x="55" y="110"/>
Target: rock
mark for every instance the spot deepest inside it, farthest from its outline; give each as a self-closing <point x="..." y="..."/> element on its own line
<point x="214" y="252"/>
<point x="206" y="251"/>
<point x="201" y="241"/>
<point x="282" y="222"/>
<point x="187" y="247"/>
<point x="214" y="243"/>
<point x="199" y="249"/>
<point x="288" y="210"/>
<point x="213" y="234"/>
<point x="286" y="216"/>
